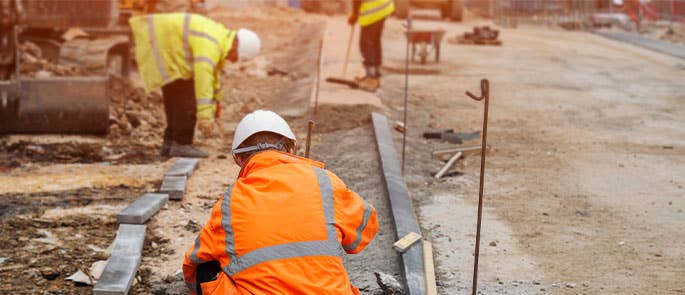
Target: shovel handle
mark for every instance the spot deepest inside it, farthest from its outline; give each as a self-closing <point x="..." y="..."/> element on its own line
<point x="347" y="53"/>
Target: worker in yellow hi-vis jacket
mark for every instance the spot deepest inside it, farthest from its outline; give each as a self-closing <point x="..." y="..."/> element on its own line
<point x="371" y="15"/>
<point x="183" y="54"/>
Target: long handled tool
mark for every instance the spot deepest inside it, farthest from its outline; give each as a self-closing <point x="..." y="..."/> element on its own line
<point x="343" y="80"/>
<point x="485" y="95"/>
<point x="310" y="125"/>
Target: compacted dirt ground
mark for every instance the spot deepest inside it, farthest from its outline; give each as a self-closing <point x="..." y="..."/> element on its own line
<point x="583" y="189"/>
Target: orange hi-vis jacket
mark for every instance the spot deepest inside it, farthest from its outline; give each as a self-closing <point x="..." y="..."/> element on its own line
<point x="282" y="228"/>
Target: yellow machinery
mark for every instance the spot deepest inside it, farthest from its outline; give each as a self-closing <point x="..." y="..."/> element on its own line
<point x="65" y="104"/>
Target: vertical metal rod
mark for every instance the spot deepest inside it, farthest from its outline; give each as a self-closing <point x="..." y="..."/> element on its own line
<point x="485" y="95"/>
<point x="310" y="125"/>
<point x="318" y="76"/>
<point x="406" y="91"/>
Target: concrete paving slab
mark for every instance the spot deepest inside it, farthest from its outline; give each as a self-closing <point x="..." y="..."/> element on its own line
<point x="400" y="201"/>
<point x="183" y="167"/>
<point x="143" y="208"/>
<point x="122" y="265"/>
<point x="174" y="186"/>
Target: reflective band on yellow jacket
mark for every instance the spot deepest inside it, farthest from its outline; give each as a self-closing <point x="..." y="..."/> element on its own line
<point x="372" y="11"/>
<point x="287" y="218"/>
<point x="173" y="46"/>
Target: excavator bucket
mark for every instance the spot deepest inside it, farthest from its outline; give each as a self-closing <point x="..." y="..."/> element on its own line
<point x="54" y="105"/>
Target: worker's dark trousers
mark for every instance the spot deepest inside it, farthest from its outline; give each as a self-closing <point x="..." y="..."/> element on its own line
<point x="370" y="47"/>
<point x="181" y="111"/>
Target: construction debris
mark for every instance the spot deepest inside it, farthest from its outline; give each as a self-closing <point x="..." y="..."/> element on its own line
<point x="33" y="64"/>
<point x="80" y="277"/>
<point x="448" y="165"/>
<point x="482" y="35"/>
<point x="450" y="136"/>
<point x="388" y="284"/>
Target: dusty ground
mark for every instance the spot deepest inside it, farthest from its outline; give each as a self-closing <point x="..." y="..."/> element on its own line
<point x="583" y="185"/>
<point x="583" y="190"/>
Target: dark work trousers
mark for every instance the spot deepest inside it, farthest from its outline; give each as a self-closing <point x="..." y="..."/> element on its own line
<point x="370" y="45"/>
<point x="180" y="107"/>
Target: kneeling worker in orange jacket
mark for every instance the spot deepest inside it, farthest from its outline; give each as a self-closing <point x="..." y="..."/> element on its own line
<point x="285" y="224"/>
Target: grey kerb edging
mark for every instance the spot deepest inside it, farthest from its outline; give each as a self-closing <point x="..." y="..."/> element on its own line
<point x="401" y="204"/>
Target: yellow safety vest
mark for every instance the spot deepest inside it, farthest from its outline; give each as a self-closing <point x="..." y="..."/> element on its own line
<point x="173" y="46"/>
<point x="372" y="11"/>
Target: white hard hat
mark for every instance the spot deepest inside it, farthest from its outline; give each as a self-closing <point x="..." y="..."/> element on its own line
<point x="260" y="121"/>
<point x="248" y="44"/>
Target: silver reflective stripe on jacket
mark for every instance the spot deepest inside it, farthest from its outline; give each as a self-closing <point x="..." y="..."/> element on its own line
<point x="205" y="101"/>
<point x="204" y="59"/>
<point x="193" y="254"/>
<point x="368" y="209"/>
<point x="155" y="48"/>
<point x="329" y="247"/>
<point x="186" y="42"/>
<point x="377" y="9"/>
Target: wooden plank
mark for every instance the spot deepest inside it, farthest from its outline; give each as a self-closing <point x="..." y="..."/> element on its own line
<point x="447" y="166"/>
<point x="429" y="266"/>
<point x="405" y="242"/>
<point x="401" y="205"/>
<point x="143" y="208"/>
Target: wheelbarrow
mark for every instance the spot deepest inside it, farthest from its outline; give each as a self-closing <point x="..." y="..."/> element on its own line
<point x="427" y="41"/>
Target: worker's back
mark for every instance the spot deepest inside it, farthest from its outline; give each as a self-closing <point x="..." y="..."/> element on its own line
<point x="282" y="226"/>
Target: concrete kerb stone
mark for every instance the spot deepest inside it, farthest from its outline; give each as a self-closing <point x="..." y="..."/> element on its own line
<point x="174" y="186"/>
<point x="401" y="204"/>
<point x="143" y="208"/>
<point x="183" y="167"/>
<point x="122" y="264"/>
<point x="661" y="46"/>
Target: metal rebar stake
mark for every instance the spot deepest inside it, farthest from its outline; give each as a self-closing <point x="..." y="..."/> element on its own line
<point x="485" y="95"/>
<point x="318" y="76"/>
<point x="406" y="91"/>
<point x="310" y="125"/>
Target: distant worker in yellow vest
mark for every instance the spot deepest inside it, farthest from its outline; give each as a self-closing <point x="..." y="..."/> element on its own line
<point x="371" y="15"/>
<point x="183" y="54"/>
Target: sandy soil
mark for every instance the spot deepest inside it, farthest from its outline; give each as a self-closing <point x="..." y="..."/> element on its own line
<point x="582" y="193"/>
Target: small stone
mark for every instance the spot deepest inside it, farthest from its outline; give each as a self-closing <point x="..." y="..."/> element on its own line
<point x="388" y="284"/>
<point x="570" y="285"/>
<point x="154" y="245"/>
<point x="192" y="226"/>
<point x="493" y="244"/>
<point x="49" y="273"/>
<point x="536" y="283"/>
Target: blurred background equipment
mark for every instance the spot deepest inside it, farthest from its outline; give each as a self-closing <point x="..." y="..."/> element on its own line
<point x="453" y="9"/>
<point x="56" y="57"/>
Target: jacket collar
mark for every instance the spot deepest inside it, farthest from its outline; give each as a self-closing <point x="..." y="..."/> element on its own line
<point x="271" y="158"/>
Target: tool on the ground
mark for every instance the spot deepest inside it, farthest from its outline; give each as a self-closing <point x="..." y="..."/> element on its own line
<point x="342" y="80"/>
<point x="450" y="136"/>
<point x="407" y="26"/>
<point x="428" y="41"/>
<point x="310" y="125"/>
<point x="481" y="35"/>
<point x="485" y="95"/>
<point x="405" y="242"/>
<point x="448" y="165"/>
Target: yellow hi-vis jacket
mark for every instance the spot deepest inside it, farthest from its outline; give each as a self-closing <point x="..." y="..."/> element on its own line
<point x="173" y="46"/>
<point x="372" y="11"/>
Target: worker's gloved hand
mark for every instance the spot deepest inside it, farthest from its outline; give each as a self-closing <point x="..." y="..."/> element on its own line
<point x="206" y="127"/>
<point x="352" y="19"/>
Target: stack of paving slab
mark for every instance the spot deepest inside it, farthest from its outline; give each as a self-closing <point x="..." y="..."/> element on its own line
<point x="174" y="183"/>
<point x="122" y="264"/>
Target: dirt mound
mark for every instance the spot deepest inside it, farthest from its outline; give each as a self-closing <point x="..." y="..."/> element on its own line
<point x="333" y="118"/>
<point x="32" y="64"/>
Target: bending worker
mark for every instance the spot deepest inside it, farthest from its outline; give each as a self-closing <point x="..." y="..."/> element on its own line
<point x="183" y="54"/>
<point x="284" y="225"/>
<point x="371" y="15"/>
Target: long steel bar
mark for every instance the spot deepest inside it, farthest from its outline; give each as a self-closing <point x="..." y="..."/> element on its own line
<point x="485" y="95"/>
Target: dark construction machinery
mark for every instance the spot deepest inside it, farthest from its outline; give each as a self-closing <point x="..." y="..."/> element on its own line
<point x="75" y="104"/>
